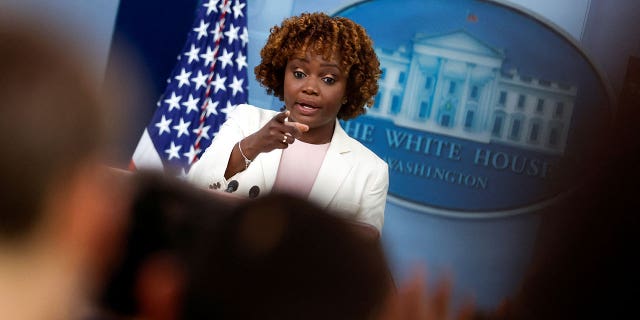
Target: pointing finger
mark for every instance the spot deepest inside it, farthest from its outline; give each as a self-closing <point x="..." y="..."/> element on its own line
<point x="281" y="116"/>
<point x="300" y="126"/>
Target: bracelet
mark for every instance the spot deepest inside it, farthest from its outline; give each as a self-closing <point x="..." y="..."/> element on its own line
<point x="247" y="162"/>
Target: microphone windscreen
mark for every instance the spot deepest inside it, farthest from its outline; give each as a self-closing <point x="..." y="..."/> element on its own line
<point x="254" y="192"/>
<point x="232" y="186"/>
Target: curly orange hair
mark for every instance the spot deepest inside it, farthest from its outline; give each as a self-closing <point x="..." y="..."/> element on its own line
<point x="323" y="35"/>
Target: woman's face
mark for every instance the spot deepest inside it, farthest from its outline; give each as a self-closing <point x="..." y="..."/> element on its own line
<point x="314" y="91"/>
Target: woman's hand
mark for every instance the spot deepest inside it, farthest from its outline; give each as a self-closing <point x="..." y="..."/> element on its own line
<point x="278" y="133"/>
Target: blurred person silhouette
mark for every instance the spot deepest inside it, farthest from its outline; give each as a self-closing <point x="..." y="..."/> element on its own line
<point x="60" y="214"/>
<point x="283" y="257"/>
<point x="583" y="264"/>
<point x="168" y="217"/>
<point x="190" y="254"/>
<point x="324" y="69"/>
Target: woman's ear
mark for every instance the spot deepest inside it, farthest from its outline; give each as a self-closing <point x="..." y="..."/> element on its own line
<point x="159" y="288"/>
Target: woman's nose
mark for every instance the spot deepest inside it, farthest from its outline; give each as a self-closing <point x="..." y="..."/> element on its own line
<point x="310" y="87"/>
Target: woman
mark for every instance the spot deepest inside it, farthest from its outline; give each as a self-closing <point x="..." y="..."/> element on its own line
<point x="324" y="69"/>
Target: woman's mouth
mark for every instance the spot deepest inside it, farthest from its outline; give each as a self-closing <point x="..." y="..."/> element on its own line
<point x="306" y="109"/>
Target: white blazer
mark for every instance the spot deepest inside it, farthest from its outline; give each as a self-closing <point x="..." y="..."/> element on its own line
<point x="352" y="181"/>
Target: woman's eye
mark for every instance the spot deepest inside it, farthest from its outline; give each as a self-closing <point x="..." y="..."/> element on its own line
<point x="329" y="80"/>
<point x="298" y="74"/>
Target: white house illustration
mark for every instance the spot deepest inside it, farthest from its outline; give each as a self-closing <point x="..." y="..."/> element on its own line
<point x="453" y="84"/>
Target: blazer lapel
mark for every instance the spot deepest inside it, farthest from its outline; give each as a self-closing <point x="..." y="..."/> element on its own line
<point x="270" y="162"/>
<point x="337" y="164"/>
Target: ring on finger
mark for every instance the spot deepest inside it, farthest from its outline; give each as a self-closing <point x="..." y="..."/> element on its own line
<point x="284" y="138"/>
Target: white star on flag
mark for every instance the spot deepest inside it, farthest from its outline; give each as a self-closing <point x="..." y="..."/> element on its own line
<point x="208" y="56"/>
<point x="173" y="150"/>
<point x="219" y="83"/>
<point x="163" y="125"/>
<point x="173" y="102"/>
<point x="236" y="85"/>
<point x="225" y="59"/>
<point x="202" y="29"/>
<point x="183" y="78"/>
<point x="212" y="108"/>
<point x="200" y="80"/>
<point x="191" y="104"/>
<point x="193" y="54"/>
<point x="182" y="128"/>
<point x="241" y="61"/>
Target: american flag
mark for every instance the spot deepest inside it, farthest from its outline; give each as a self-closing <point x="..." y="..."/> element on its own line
<point x="209" y="80"/>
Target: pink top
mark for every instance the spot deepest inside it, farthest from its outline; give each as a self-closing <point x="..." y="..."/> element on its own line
<point x="299" y="166"/>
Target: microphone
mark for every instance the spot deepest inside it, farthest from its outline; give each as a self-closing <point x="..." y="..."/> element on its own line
<point x="233" y="186"/>
<point x="254" y="192"/>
